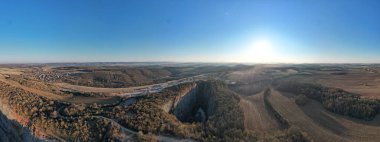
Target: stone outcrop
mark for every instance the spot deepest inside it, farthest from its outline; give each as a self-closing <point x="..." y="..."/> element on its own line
<point x="12" y="126"/>
<point x="185" y="103"/>
<point x="185" y="95"/>
<point x="191" y="104"/>
<point x="217" y="108"/>
<point x="12" y="131"/>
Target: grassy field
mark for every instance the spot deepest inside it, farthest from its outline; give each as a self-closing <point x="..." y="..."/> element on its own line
<point x="322" y="125"/>
<point x="357" y="130"/>
<point x="257" y="118"/>
<point x="365" y="84"/>
<point x="288" y="109"/>
<point x="47" y="94"/>
<point x="10" y="71"/>
<point x="39" y="92"/>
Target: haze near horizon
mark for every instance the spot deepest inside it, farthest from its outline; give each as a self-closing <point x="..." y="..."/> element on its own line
<point x="242" y="31"/>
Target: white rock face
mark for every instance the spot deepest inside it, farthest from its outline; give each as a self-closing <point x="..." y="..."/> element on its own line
<point x="183" y="108"/>
<point x="192" y="104"/>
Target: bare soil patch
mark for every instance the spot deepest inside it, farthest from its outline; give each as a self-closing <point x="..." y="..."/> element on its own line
<point x="257" y="118"/>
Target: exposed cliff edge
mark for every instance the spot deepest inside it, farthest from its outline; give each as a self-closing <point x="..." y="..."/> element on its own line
<point x="216" y="106"/>
<point x="12" y="131"/>
<point x="185" y="102"/>
<point x="14" y="127"/>
<point x="196" y="102"/>
<point x="184" y="94"/>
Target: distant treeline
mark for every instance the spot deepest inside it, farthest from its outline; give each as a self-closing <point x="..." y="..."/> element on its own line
<point x="121" y="76"/>
<point x="337" y="100"/>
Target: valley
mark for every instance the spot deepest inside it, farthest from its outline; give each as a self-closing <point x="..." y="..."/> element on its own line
<point x="199" y="103"/>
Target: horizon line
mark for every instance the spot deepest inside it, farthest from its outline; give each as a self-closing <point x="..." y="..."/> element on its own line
<point x="178" y="62"/>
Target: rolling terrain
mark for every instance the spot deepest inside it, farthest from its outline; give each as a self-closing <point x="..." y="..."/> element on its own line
<point x="190" y="103"/>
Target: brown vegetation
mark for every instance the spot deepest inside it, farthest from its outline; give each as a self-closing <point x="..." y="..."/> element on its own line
<point x="256" y="116"/>
<point x="337" y="100"/>
<point x="43" y="116"/>
<point x="117" y="77"/>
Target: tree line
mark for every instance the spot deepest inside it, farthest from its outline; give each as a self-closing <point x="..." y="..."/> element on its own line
<point x="337" y="100"/>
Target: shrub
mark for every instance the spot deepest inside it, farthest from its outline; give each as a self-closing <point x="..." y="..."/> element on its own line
<point x="301" y="100"/>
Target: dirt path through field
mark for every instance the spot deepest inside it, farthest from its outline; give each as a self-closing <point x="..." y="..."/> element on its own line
<point x="257" y="118"/>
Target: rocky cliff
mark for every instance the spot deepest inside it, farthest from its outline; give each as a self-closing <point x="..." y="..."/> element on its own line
<point x="216" y="106"/>
<point x="12" y="131"/>
<point x="193" y="103"/>
<point x="185" y="103"/>
<point x="185" y="95"/>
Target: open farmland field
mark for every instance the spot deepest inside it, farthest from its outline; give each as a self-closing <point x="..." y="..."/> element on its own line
<point x="357" y="130"/>
<point x="355" y="80"/>
<point x="320" y="124"/>
<point x="290" y="111"/>
<point x="365" y="84"/>
<point x="10" y="71"/>
<point x="257" y="117"/>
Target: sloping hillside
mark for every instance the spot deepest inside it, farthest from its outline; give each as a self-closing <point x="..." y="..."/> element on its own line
<point x="12" y="131"/>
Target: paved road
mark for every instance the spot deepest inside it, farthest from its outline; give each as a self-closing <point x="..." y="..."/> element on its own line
<point x="132" y="91"/>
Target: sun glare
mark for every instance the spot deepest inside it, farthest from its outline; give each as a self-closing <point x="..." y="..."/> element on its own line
<point x="260" y="50"/>
<point x="262" y="47"/>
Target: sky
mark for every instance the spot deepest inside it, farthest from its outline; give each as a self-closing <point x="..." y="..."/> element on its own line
<point x="247" y="31"/>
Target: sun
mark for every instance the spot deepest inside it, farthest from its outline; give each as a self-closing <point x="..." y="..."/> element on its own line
<point x="262" y="47"/>
<point x="260" y="51"/>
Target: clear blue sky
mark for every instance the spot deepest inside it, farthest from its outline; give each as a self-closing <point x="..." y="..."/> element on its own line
<point x="189" y="30"/>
